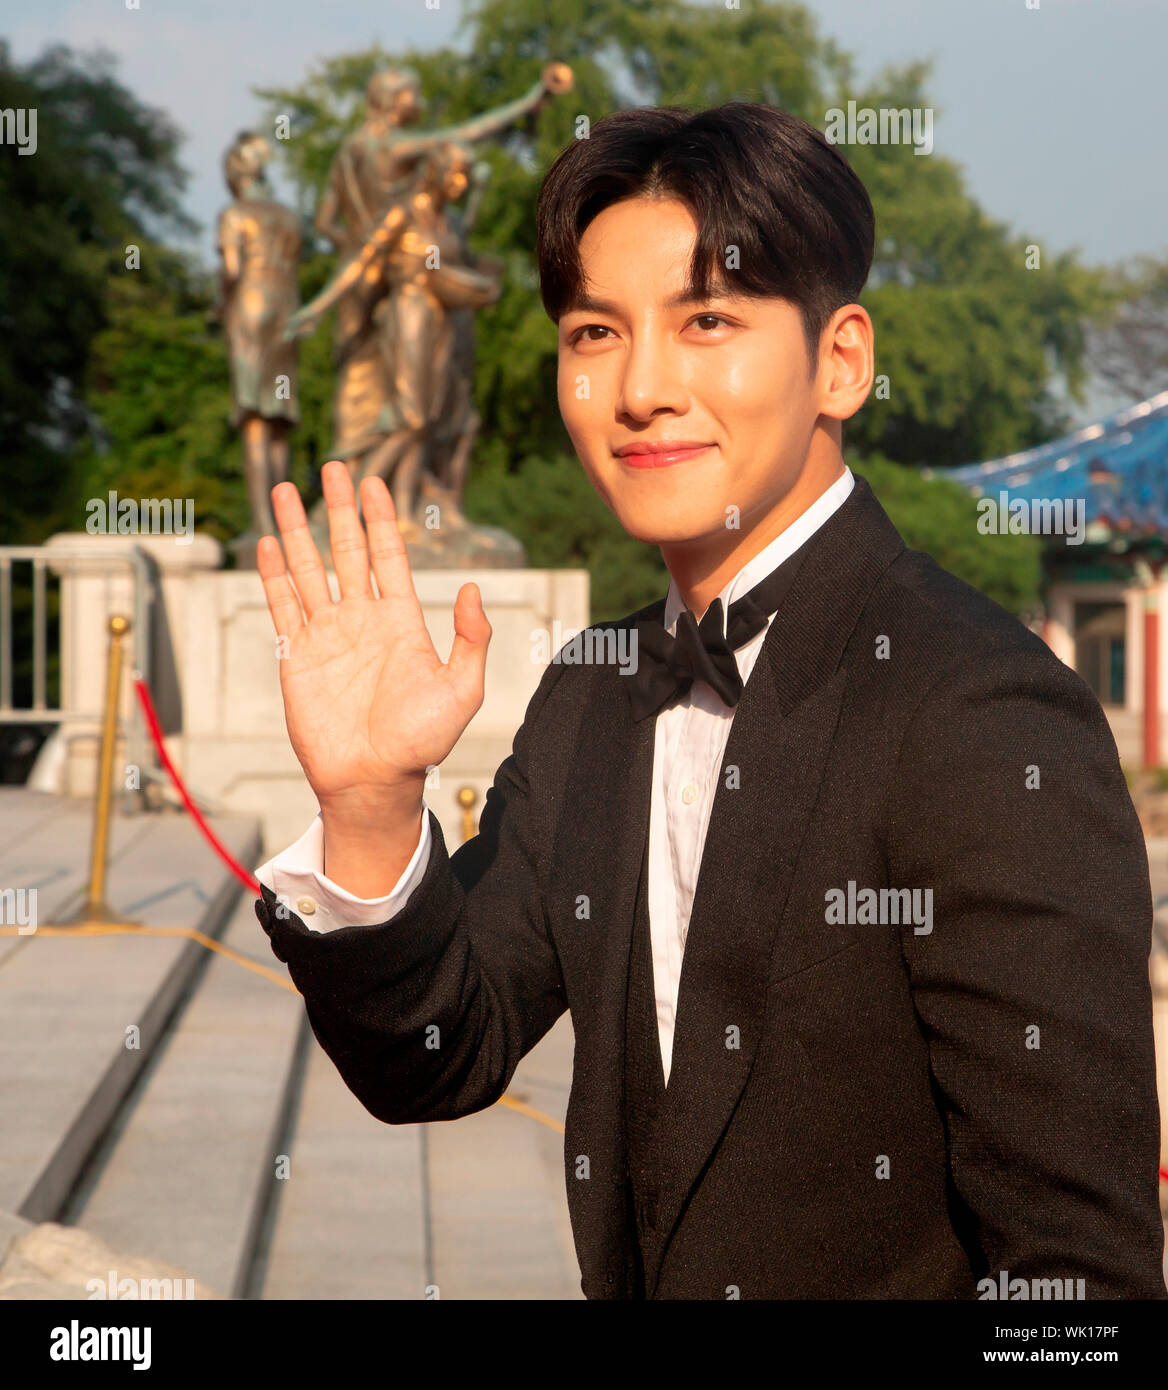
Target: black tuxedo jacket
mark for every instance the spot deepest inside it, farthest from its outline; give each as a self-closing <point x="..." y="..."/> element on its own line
<point x="855" y="1109"/>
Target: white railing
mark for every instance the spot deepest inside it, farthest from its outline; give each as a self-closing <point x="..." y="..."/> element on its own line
<point x="41" y="561"/>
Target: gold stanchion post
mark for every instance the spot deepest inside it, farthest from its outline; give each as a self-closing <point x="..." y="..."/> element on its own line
<point x="467" y="796"/>
<point x="95" y="908"/>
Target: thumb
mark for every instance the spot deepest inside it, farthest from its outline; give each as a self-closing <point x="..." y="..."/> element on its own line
<point x="468" y="654"/>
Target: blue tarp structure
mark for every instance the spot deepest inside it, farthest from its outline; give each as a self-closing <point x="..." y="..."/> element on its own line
<point x="1119" y="466"/>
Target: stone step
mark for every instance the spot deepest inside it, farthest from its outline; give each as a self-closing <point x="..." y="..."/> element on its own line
<point x="186" y="1171"/>
<point x="471" y="1208"/>
<point x="45" y="846"/>
<point x="170" y="1151"/>
<point x="498" y="1207"/>
<point x="66" y="1003"/>
<point x="349" y="1219"/>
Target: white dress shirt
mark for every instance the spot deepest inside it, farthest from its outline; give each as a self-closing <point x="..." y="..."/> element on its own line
<point x="689" y="742"/>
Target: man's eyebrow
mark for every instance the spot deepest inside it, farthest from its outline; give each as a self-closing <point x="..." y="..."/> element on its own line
<point x="589" y="304"/>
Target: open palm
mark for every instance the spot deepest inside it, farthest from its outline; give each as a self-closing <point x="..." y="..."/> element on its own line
<point x="368" y="702"/>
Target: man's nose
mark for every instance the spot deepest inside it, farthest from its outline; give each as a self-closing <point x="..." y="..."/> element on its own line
<point x="651" y="378"/>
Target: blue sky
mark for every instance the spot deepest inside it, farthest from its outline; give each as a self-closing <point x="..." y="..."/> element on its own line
<point x="1056" y="115"/>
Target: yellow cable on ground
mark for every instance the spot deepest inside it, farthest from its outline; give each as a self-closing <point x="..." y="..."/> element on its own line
<point x="129" y="929"/>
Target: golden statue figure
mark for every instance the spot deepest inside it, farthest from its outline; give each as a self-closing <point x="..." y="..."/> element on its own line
<point x="375" y="167"/>
<point x="415" y="267"/>
<point x="259" y="250"/>
<point x="450" y="443"/>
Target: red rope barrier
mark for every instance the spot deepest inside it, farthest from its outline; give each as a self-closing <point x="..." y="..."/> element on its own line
<point x="247" y="879"/>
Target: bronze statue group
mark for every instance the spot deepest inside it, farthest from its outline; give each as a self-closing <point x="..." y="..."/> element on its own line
<point x="406" y="291"/>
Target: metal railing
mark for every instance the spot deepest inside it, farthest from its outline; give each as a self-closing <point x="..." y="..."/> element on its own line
<point x="144" y="577"/>
<point x="40" y="712"/>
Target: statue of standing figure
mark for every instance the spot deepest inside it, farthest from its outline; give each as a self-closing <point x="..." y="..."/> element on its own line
<point x="259" y="251"/>
<point x="452" y="440"/>
<point x="396" y="350"/>
<point x="416" y="264"/>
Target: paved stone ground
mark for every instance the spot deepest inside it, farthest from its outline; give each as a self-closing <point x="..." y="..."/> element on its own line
<point x="472" y="1209"/>
<point x="225" y="1144"/>
<point x="80" y="1015"/>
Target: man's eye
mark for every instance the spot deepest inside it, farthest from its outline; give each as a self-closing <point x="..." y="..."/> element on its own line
<point x="714" y="320"/>
<point x="575" y="338"/>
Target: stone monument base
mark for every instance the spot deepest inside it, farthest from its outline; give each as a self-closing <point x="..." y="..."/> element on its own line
<point x="456" y="548"/>
<point x="218" y="656"/>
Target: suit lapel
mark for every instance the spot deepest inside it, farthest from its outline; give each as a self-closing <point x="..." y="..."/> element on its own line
<point x="779" y="742"/>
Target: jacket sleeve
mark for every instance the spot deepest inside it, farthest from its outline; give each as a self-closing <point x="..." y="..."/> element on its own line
<point x="1032" y="988"/>
<point x="427" y="1015"/>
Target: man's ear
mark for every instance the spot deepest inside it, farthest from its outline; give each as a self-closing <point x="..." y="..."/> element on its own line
<point x="848" y="360"/>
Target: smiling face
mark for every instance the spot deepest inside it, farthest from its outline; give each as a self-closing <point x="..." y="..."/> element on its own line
<point x="640" y="366"/>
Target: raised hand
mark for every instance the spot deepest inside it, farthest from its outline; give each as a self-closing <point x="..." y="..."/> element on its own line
<point x="368" y="702"/>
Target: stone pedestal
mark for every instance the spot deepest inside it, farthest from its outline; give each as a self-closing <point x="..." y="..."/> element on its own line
<point x="235" y="746"/>
<point x="216" y="679"/>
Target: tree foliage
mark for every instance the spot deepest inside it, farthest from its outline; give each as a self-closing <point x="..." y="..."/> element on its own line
<point x="1128" y="345"/>
<point x="939" y="516"/>
<point x="121" y="372"/>
<point x="974" y="345"/>
<point x="104" y="175"/>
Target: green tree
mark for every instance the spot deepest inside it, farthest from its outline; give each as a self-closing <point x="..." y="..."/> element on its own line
<point x="939" y="516"/>
<point x="120" y="372"/>
<point x="973" y="343"/>
<point x="157" y="383"/>
<point x="975" y="326"/>
<point x="1128" y="346"/>
<point x="105" y="175"/>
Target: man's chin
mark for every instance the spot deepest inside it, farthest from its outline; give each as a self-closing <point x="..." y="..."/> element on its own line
<point x="672" y="527"/>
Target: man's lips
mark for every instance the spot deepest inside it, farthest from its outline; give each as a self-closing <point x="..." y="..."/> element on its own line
<point x="662" y="458"/>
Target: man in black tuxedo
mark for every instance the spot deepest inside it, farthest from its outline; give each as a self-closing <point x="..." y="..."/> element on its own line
<point x="830" y="858"/>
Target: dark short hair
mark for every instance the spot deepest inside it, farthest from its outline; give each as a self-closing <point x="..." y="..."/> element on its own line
<point x="752" y="176"/>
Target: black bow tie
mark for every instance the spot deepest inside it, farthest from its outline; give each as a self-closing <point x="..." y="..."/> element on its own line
<point x="667" y="666"/>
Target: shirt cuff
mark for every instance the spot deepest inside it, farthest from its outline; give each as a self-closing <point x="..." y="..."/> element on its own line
<point x="297" y="879"/>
